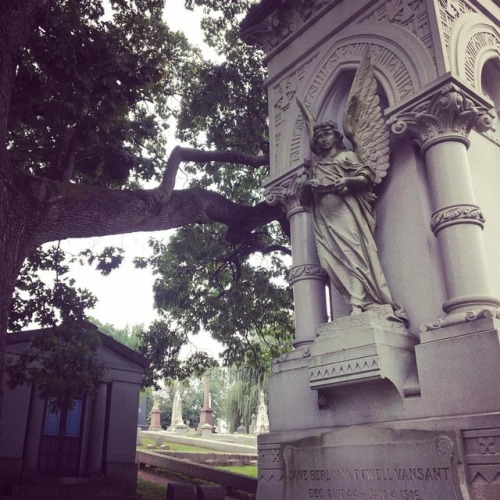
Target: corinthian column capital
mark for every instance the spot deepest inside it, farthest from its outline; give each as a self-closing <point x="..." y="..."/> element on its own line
<point x="284" y="190"/>
<point x="449" y="112"/>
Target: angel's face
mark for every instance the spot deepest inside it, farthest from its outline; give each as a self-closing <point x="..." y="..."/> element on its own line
<point x="324" y="139"/>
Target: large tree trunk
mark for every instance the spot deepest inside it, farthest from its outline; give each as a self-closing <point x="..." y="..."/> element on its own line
<point x="16" y="222"/>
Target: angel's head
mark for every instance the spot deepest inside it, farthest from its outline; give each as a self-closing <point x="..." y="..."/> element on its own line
<point x="326" y="136"/>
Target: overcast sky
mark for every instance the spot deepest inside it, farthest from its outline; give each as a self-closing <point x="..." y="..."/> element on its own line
<point x="125" y="296"/>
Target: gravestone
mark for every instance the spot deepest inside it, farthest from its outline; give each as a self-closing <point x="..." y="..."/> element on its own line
<point x="155" y="423"/>
<point x="176" y="419"/>
<point x="262" y="421"/>
<point x="206" y="413"/>
<point x="385" y="157"/>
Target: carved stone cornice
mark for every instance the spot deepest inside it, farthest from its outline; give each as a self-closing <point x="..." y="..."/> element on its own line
<point x="456" y="214"/>
<point x="272" y="22"/>
<point x="449" y="114"/>
<point x="307" y="271"/>
<point x="284" y="190"/>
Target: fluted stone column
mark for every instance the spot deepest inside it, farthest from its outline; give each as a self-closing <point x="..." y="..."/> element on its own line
<point x="441" y="124"/>
<point x="306" y="275"/>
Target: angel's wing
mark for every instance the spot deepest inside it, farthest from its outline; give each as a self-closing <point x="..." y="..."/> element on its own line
<point x="309" y="119"/>
<point x="364" y="124"/>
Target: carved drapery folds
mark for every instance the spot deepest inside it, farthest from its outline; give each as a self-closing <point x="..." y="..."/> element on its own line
<point x="449" y="115"/>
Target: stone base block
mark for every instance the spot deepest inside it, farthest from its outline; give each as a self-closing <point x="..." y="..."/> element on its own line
<point x="365" y="347"/>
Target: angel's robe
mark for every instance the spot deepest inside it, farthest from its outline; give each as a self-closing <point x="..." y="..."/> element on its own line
<point x="344" y="225"/>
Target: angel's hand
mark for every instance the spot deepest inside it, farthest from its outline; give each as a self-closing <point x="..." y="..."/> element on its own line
<point x="339" y="186"/>
<point x="314" y="183"/>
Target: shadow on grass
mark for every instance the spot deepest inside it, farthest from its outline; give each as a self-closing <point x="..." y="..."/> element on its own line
<point x="148" y="490"/>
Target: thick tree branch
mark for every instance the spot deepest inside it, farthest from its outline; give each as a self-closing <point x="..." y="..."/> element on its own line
<point x="76" y="211"/>
<point x="180" y="154"/>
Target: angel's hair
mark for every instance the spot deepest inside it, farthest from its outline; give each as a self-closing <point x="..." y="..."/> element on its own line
<point x="330" y="125"/>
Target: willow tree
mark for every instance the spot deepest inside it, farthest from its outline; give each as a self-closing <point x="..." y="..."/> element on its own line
<point x="84" y="99"/>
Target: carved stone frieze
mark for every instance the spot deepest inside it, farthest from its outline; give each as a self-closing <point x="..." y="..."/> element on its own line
<point x="456" y="214"/>
<point x="381" y="56"/>
<point x="287" y="19"/>
<point x="270" y="464"/>
<point x="449" y="12"/>
<point x="482" y="450"/>
<point x="364" y="347"/>
<point x="307" y="271"/>
<point x="476" y="44"/>
<point x="409" y="14"/>
<point x="282" y="95"/>
<point x="269" y="458"/>
<point x="450" y="114"/>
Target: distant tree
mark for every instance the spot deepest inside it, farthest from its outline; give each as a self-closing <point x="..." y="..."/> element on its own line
<point x="242" y="397"/>
<point x="129" y="336"/>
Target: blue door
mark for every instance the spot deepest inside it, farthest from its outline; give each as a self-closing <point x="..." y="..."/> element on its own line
<point x="61" y="440"/>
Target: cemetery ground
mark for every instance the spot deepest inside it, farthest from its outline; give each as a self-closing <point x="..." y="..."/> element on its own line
<point x="153" y="481"/>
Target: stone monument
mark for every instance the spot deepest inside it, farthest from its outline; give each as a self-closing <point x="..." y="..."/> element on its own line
<point x="206" y="413"/>
<point x="155" y="422"/>
<point x="176" y="418"/>
<point x="379" y="401"/>
<point x="262" y="420"/>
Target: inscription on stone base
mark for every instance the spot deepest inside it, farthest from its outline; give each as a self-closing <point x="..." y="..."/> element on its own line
<point x="373" y="464"/>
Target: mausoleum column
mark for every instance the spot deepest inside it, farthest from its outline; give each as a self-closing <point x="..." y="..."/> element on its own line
<point x="306" y="276"/>
<point x="441" y="125"/>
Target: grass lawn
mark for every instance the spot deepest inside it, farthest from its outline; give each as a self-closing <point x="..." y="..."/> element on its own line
<point x="147" y="490"/>
<point x="175" y="447"/>
<point x="150" y="491"/>
<point x="245" y="470"/>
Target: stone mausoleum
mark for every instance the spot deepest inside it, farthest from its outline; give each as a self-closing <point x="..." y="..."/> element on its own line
<point x="370" y="405"/>
<point x="84" y="452"/>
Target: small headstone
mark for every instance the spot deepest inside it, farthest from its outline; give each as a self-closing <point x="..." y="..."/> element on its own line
<point x="165" y="447"/>
<point x="241" y="429"/>
<point x="235" y="462"/>
<point x="209" y="492"/>
<point x="181" y="491"/>
<point x="253" y="424"/>
<point x="151" y="447"/>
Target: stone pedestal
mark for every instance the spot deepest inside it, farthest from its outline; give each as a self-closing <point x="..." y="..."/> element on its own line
<point x="206" y="413"/>
<point x="364" y="347"/>
<point x="155" y="424"/>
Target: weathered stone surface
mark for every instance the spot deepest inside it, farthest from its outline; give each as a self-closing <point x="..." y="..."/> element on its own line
<point x="373" y="464"/>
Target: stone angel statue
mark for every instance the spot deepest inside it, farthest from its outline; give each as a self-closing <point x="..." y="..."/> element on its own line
<point x="338" y="191"/>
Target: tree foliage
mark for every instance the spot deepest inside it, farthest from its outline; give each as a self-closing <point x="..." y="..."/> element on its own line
<point x="242" y="397"/>
<point x="61" y="361"/>
<point x="206" y="286"/>
<point x="86" y="91"/>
